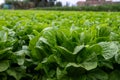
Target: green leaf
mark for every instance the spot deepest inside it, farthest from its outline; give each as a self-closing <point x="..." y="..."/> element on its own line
<point x="44" y="40"/>
<point x="49" y="59"/>
<point x="85" y="65"/>
<point x="50" y="37"/>
<point x="89" y="65"/>
<point x="20" y="60"/>
<point x="88" y="58"/>
<point x="102" y="39"/>
<point x="82" y="77"/>
<point x="114" y="36"/>
<point x="97" y="74"/>
<point x="104" y="31"/>
<point x="20" y="55"/>
<point x="5" y="50"/>
<point x="95" y="48"/>
<point x="115" y="75"/>
<point x="4" y="65"/>
<point x="74" y="65"/>
<point x="90" y="62"/>
<point x="109" y="49"/>
<point x="78" y="49"/>
<point x="15" y="74"/>
<point x="35" y="54"/>
<point x="85" y="38"/>
<point x="60" y="73"/>
<point x="65" y="53"/>
<point x="106" y="64"/>
<point x="3" y="36"/>
<point x="3" y="76"/>
<point x="39" y="66"/>
<point x="64" y="49"/>
<point x="32" y="42"/>
<point x="117" y="58"/>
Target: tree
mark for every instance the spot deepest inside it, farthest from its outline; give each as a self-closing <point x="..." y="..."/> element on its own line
<point x="10" y="1"/>
<point x="51" y="3"/>
<point x="39" y="2"/>
<point x="44" y="3"/>
<point x="58" y="4"/>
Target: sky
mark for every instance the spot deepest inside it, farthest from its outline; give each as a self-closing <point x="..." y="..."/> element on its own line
<point x="1" y="1"/>
<point x="71" y="2"/>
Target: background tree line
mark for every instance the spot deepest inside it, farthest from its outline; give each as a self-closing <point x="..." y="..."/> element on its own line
<point x="25" y="4"/>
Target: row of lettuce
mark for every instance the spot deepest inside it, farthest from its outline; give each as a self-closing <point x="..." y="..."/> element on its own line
<point x="43" y="45"/>
<point x="105" y="7"/>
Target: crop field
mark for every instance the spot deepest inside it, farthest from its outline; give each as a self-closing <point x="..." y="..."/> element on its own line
<point x="54" y="45"/>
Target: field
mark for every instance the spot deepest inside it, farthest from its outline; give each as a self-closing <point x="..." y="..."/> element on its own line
<point x="54" y="45"/>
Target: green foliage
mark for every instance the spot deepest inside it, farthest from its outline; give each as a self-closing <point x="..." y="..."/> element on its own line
<point x="106" y="7"/>
<point x="58" y="4"/>
<point x="43" y="45"/>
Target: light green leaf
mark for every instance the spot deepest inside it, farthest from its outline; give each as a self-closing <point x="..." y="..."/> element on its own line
<point x="89" y="65"/>
<point x="4" y="65"/>
<point x="24" y="47"/>
<point x="117" y="58"/>
<point x="85" y="38"/>
<point x="31" y="37"/>
<point x="39" y="66"/>
<point x="78" y="49"/>
<point x="3" y="36"/>
<point x="64" y="49"/>
<point x="49" y="59"/>
<point x="74" y="65"/>
<point x="114" y="36"/>
<point x="44" y="40"/>
<point x="20" y="53"/>
<point x="20" y="56"/>
<point x="91" y="62"/>
<point x="20" y="60"/>
<point x="60" y="74"/>
<point x="5" y="50"/>
<point x="15" y="74"/>
<point x="109" y="49"/>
